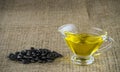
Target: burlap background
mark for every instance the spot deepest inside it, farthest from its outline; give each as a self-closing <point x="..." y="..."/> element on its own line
<point x="26" y="23"/>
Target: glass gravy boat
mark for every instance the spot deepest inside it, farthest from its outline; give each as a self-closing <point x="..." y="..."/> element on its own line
<point x="85" y="43"/>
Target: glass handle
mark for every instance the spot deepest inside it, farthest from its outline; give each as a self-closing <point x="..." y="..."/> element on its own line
<point x="108" y="43"/>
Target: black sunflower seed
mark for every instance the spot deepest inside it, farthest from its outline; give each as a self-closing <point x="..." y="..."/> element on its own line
<point x="24" y="61"/>
<point x="12" y="56"/>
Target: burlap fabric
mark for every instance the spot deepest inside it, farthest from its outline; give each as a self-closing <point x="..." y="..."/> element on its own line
<point x="26" y="23"/>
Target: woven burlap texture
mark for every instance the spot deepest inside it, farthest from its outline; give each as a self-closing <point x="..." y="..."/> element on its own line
<point x="34" y="23"/>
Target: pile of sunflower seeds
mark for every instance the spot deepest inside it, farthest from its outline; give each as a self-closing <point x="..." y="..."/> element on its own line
<point x="34" y="55"/>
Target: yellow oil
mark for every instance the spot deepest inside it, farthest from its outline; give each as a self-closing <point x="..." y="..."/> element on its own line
<point x="83" y="44"/>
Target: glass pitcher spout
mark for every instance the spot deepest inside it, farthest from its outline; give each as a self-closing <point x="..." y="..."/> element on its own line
<point x="67" y="28"/>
